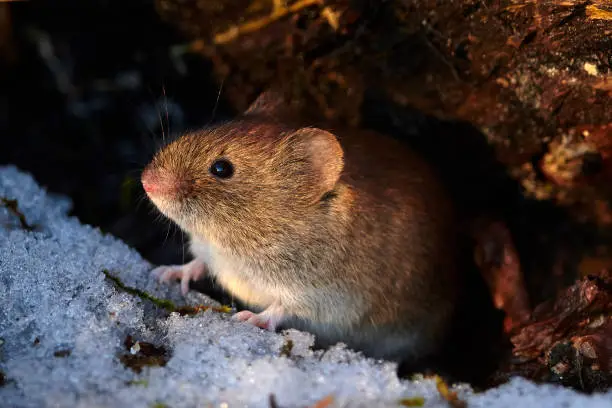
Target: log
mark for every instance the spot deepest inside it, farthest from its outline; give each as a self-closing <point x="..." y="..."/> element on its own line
<point x="531" y="80"/>
<point x="535" y="77"/>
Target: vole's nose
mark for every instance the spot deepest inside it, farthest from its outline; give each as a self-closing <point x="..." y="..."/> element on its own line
<point x="158" y="182"/>
<point x="148" y="181"/>
<point x="154" y="184"/>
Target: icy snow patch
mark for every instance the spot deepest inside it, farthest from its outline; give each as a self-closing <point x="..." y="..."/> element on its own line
<point x="63" y="327"/>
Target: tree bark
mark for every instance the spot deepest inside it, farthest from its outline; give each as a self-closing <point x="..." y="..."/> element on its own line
<point x="532" y="79"/>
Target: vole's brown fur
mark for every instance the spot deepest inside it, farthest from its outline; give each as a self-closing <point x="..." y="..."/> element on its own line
<point x="344" y="233"/>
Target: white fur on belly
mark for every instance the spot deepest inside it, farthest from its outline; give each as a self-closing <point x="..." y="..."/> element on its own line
<point x="234" y="275"/>
<point x="326" y="304"/>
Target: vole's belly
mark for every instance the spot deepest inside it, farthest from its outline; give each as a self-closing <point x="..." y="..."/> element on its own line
<point x="243" y="289"/>
<point x="234" y="276"/>
<point x="328" y="305"/>
<point x="331" y="316"/>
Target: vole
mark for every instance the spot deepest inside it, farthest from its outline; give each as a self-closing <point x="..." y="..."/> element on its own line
<point x="344" y="233"/>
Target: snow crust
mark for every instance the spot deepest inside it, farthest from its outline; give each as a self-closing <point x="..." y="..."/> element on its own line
<point x="63" y="325"/>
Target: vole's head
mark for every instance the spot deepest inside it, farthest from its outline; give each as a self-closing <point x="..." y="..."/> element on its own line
<point x="247" y="181"/>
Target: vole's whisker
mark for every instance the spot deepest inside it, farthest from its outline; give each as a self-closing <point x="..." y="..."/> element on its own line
<point x="214" y="111"/>
<point x="166" y="107"/>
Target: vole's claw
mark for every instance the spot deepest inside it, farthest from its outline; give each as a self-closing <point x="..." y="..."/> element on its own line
<point x="243" y="316"/>
<point x="269" y="319"/>
<point x="166" y="272"/>
<point x="193" y="270"/>
<point x="255" y="319"/>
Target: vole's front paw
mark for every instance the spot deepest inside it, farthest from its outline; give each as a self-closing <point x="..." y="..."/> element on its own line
<point x="193" y="270"/>
<point x="269" y="319"/>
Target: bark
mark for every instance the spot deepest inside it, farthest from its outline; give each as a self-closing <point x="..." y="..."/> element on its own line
<point x="532" y="80"/>
<point x="568" y="340"/>
<point x="533" y="76"/>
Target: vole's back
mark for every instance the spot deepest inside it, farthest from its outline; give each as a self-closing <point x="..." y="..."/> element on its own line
<point x="400" y="255"/>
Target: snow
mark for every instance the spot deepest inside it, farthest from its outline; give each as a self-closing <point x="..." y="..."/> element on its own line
<point x="54" y="297"/>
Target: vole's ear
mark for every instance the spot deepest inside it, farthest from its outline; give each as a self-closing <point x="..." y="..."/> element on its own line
<point x="269" y="102"/>
<point x="323" y="153"/>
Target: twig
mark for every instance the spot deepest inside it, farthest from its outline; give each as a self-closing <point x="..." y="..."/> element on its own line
<point x="254" y="25"/>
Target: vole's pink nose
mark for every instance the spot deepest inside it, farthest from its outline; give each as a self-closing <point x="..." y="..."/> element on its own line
<point x="153" y="183"/>
<point x="162" y="182"/>
<point x="147" y="180"/>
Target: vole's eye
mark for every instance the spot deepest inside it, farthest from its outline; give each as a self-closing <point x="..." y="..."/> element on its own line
<point x="222" y="168"/>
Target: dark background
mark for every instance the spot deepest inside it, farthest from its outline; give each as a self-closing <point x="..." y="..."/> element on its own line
<point x="87" y="91"/>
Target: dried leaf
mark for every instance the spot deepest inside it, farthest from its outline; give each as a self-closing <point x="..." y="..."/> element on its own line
<point x="144" y="354"/>
<point x="447" y="394"/>
<point x="325" y="402"/>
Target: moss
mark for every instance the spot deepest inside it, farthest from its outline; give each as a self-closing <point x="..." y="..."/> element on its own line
<point x="163" y="303"/>
<point x="143" y="383"/>
<point x="412" y="402"/>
